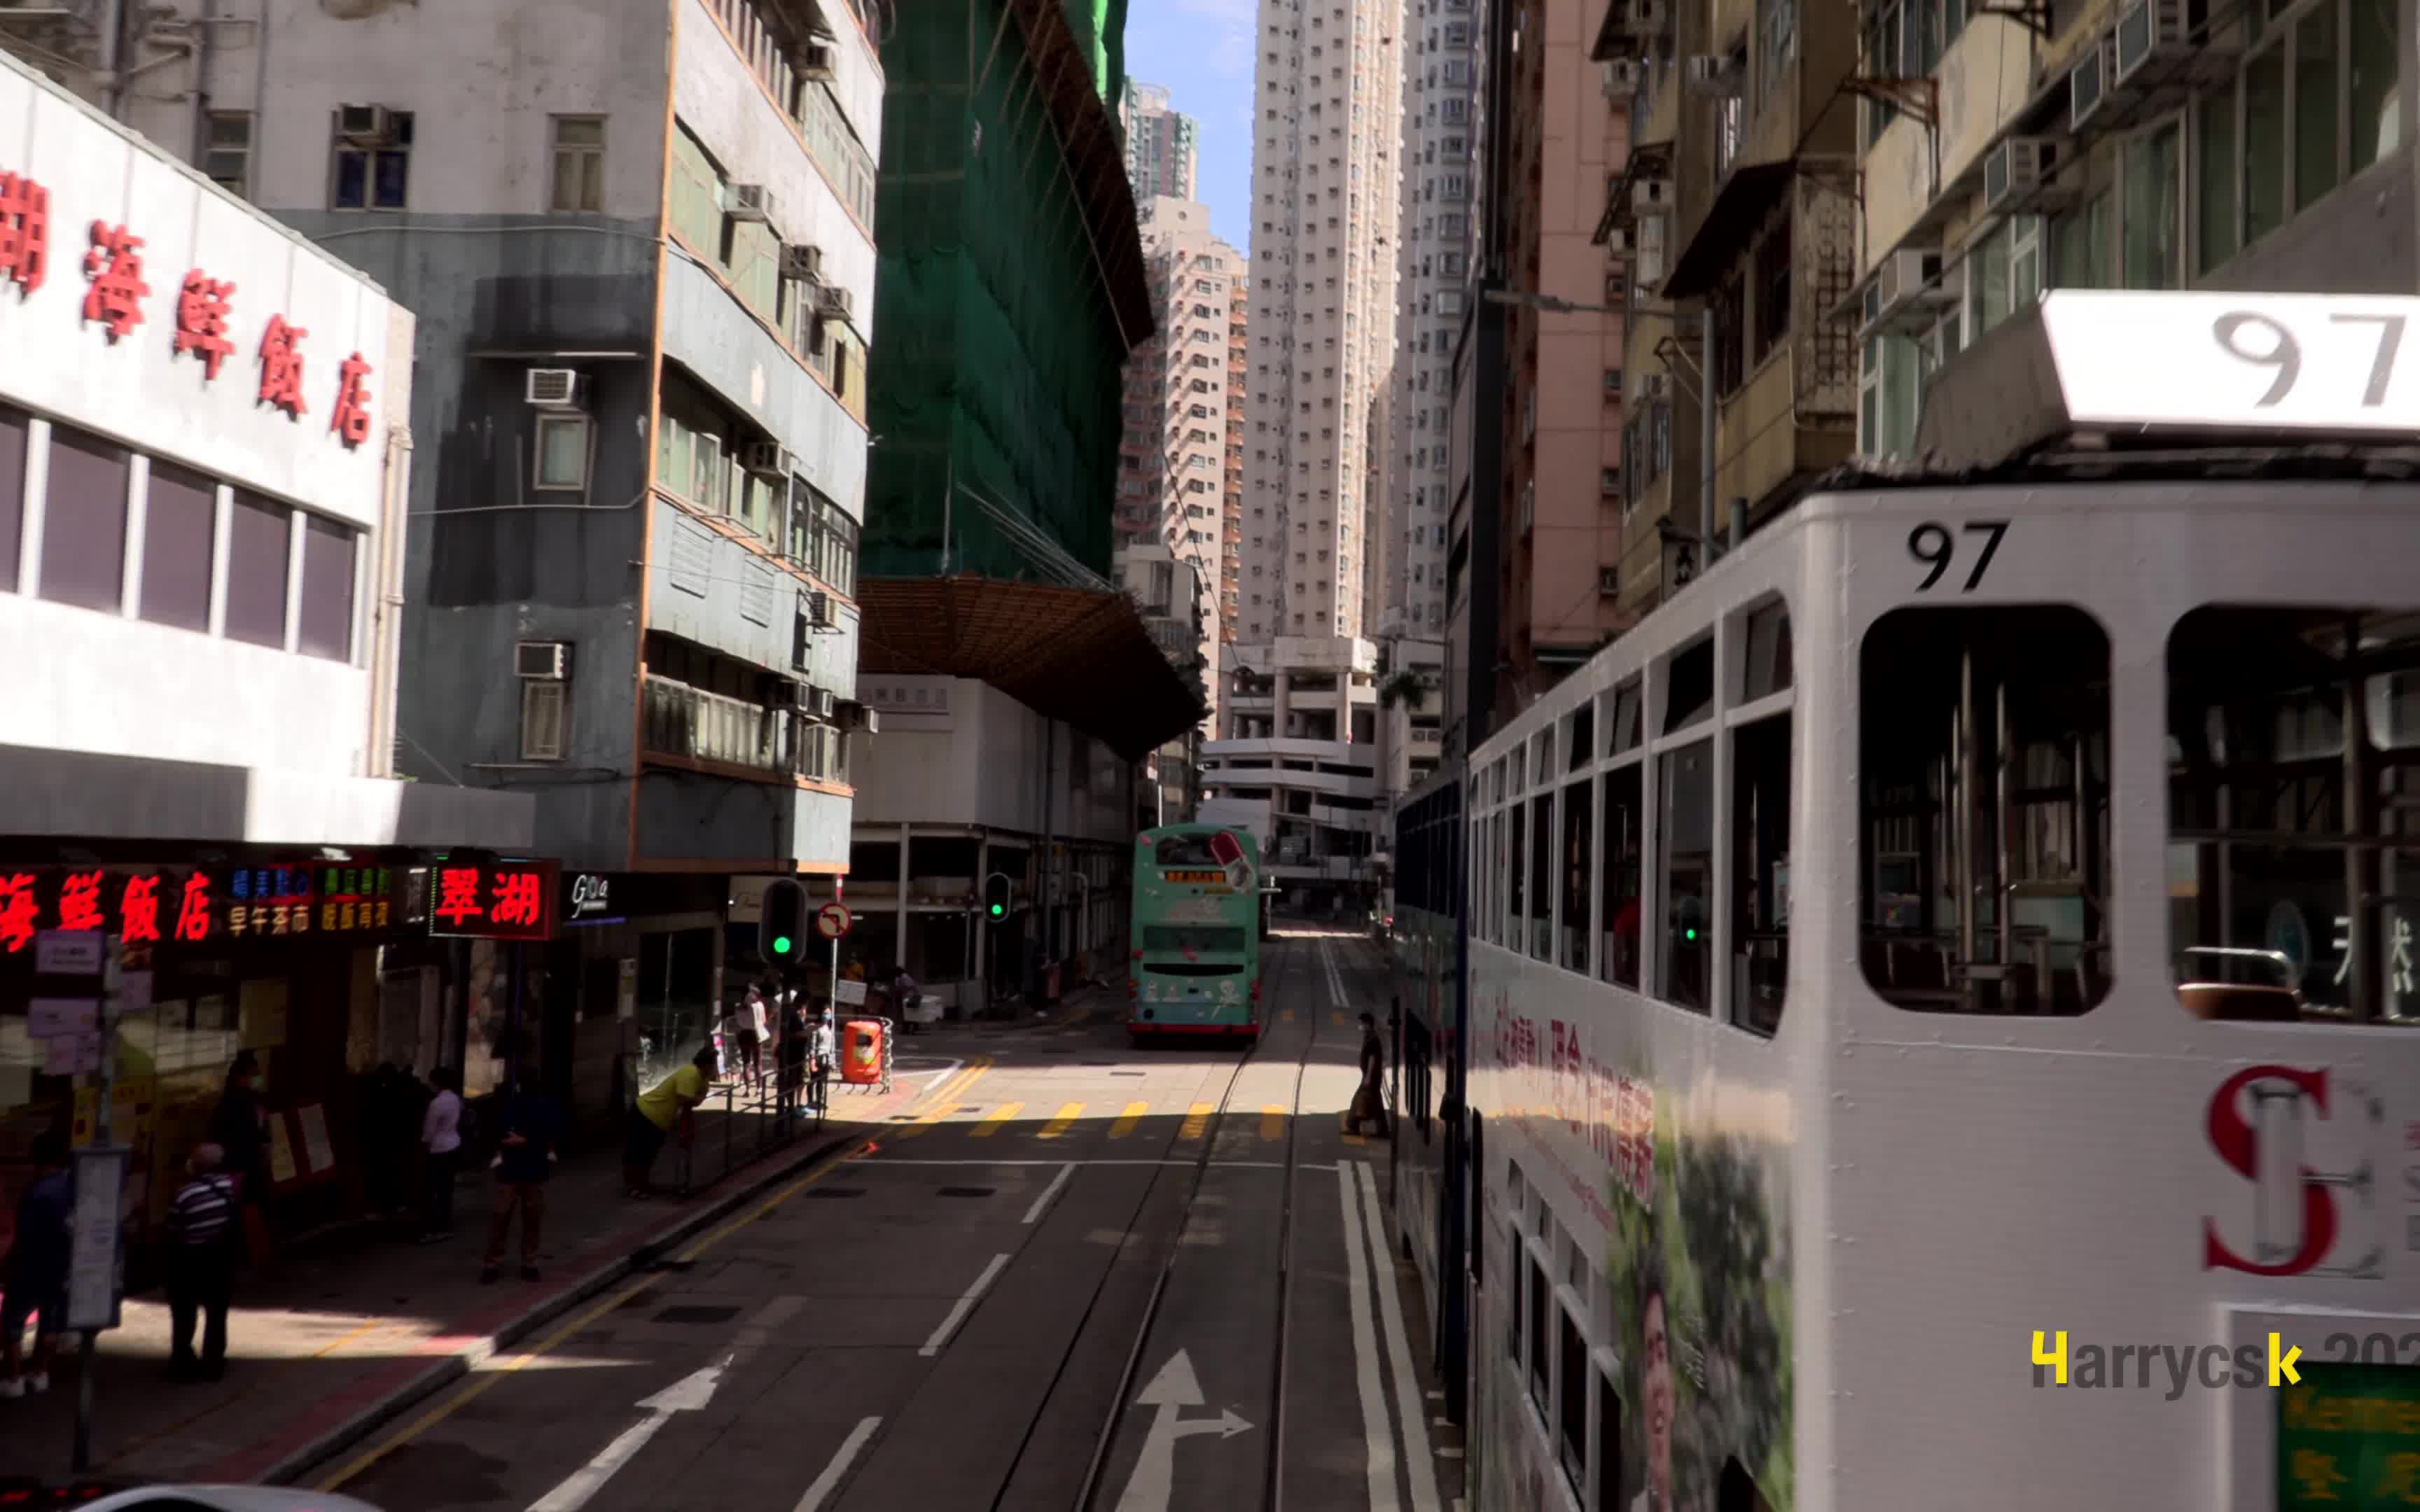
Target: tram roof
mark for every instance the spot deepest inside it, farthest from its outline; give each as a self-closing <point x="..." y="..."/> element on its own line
<point x="2101" y="383"/>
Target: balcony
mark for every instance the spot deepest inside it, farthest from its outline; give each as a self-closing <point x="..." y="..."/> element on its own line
<point x="690" y="724"/>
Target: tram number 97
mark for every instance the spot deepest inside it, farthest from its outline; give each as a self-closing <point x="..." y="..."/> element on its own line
<point x="1932" y="544"/>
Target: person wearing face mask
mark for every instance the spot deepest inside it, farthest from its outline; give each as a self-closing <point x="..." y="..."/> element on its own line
<point x="240" y="1127"/>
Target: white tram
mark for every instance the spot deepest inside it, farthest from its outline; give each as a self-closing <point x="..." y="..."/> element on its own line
<point x="1964" y="938"/>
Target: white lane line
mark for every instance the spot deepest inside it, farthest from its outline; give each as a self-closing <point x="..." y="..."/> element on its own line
<point x="1057" y="1182"/>
<point x="964" y="1305"/>
<point x="1419" y="1469"/>
<point x="1380" y="1442"/>
<point x="842" y="1459"/>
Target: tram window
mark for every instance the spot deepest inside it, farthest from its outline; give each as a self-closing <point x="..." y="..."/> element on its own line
<point x="1609" y="1445"/>
<point x="1984" y="747"/>
<point x="2294" y="814"/>
<point x="1686" y="839"/>
<point x="1576" y="820"/>
<point x="1760" y="829"/>
<point x="1580" y="748"/>
<point x="1571" y="1406"/>
<point x="1625" y="818"/>
<point x="1540" y="1362"/>
<point x="1624" y="733"/>
<point x="1516" y="873"/>
<point x="1766" y="653"/>
<point x="1688" y="686"/>
<point x="1541" y="875"/>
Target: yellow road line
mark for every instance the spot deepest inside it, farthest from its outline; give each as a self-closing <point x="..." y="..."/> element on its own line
<point x="1126" y="1121"/>
<point x="996" y="1116"/>
<point x="1068" y="1113"/>
<point x="943" y="1100"/>
<point x="1197" y="1119"/>
<point x="1337" y="1017"/>
<point x="1272" y="1121"/>
<point x="1285" y="1016"/>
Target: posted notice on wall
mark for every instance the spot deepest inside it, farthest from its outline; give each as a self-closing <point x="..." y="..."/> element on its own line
<point x="92" y="1258"/>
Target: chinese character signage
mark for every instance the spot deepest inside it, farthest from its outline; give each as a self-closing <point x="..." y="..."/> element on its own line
<point x="488" y="899"/>
<point x="187" y="906"/>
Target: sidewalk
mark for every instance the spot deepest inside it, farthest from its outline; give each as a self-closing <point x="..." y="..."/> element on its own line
<point x="342" y="1337"/>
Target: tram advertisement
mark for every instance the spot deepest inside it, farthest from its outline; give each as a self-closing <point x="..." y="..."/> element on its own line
<point x="1683" y="1174"/>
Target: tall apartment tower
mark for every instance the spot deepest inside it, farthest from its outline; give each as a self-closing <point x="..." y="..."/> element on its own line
<point x="1179" y="472"/>
<point x="1323" y="225"/>
<point x="1436" y="243"/>
<point x="1161" y="145"/>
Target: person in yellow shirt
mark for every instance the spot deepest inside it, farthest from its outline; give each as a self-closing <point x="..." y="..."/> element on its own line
<point x="660" y="1108"/>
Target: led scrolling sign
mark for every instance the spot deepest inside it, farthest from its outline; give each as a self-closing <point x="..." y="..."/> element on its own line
<point x="116" y="287"/>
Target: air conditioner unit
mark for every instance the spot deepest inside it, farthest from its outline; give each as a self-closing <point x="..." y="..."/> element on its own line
<point x="1620" y="78"/>
<point x="748" y="202"/>
<point x="2162" y="30"/>
<point x="364" y="125"/>
<point x="2017" y="167"/>
<point x="1908" y="291"/>
<point x="819" y="610"/>
<point x="803" y="261"/>
<point x="1652" y="196"/>
<point x="2087" y="85"/>
<point x="553" y="388"/>
<point x="831" y="303"/>
<point x="1711" y="77"/>
<point x="766" y="458"/>
<point x="1655" y="386"/>
<point x="817" y="61"/>
<point x="819" y="702"/>
<point x="542" y="661"/>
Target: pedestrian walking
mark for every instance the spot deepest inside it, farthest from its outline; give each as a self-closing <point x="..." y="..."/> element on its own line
<point x="200" y="1259"/>
<point x="34" y="1273"/>
<point x="440" y="1142"/>
<point x="671" y="1102"/>
<point x="525" y="1155"/>
<point x="240" y="1127"/>
<point x="1369" y="1099"/>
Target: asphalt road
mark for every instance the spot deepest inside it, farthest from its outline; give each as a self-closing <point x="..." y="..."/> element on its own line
<point x="1081" y="1275"/>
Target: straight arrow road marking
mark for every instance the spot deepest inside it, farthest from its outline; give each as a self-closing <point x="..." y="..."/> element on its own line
<point x="688" y="1394"/>
<point x="965" y="1304"/>
<point x="842" y="1459"/>
<point x="1170" y="1392"/>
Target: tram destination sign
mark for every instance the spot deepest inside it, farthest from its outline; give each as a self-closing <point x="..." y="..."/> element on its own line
<point x="2214" y="362"/>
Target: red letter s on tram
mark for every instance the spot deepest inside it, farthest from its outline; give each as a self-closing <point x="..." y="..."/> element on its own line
<point x="2237" y="1144"/>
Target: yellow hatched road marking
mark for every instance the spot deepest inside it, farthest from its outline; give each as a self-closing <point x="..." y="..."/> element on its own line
<point x="943" y="1100"/>
<point x="1272" y="1121"/>
<point x="1337" y="1017"/>
<point x="1197" y="1119"/>
<point x="996" y="1116"/>
<point x="1068" y="1113"/>
<point x="1285" y="1016"/>
<point x="1126" y="1121"/>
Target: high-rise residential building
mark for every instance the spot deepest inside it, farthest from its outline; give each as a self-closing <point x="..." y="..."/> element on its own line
<point x="1326" y="118"/>
<point x="1324" y="227"/>
<point x="1161" y="146"/>
<point x="1176" y="484"/>
<point x="1435" y="241"/>
<point x="641" y="261"/>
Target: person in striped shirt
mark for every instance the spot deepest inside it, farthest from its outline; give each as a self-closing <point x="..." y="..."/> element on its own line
<point x="201" y="1264"/>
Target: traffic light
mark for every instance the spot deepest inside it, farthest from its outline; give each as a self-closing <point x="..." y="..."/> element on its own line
<point x="782" y="922"/>
<point x="996" y="896"/>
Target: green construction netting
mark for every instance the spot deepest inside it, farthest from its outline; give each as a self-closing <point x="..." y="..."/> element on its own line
<point x="998" y="354"/>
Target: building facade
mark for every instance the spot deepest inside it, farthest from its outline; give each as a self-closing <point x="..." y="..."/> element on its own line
<point x="1436" y="235"/>
<point x="1163" y="144"/>
<point x="206" y="458"/>
<point x="2120" y="149"/>
<point x="646" y="277"/>
<point x="1179" y="479"/>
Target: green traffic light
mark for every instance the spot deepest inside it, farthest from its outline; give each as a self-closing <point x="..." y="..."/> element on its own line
<point x="781" y="945"/>
<point x="996" y="910"/>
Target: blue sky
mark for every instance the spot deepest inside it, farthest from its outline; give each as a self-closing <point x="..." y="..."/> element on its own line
<point x="1201" y="51"/>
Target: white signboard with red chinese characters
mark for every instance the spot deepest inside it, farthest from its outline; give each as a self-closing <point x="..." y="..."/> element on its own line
<point x="140" y="301"/>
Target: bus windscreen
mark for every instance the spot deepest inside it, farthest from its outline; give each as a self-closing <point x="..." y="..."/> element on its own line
<point x="1185" y="851"/>
<point x="1179" y="938"/>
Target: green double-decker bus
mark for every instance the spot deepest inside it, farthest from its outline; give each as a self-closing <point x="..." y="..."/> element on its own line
<point x="1196" y="963"/>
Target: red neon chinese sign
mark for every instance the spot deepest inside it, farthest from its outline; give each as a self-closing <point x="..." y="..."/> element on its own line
<point x="494" y="900"/>
<point x="182" y="905"/>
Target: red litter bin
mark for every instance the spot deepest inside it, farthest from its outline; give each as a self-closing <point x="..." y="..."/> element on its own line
<point x="862" y="1052"/>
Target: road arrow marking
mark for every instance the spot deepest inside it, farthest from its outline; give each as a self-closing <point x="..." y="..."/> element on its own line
<point x="1172" y="1390"/>
<point x="689" y="1394"/>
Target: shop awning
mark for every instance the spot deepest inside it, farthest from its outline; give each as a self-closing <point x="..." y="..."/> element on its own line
<point x="1746" y="197"/>
<point x="1082" y="656"/>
